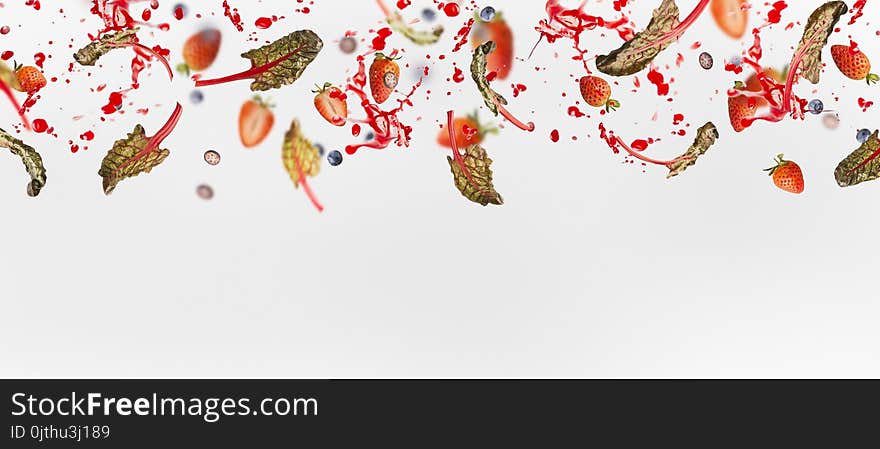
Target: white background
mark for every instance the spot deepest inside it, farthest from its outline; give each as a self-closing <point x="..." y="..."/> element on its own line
<point x="592" y="268"/>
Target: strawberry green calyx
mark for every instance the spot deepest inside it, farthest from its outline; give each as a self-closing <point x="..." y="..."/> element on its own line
<point x="263" y="102"/>
<point x="780" y="161"/>
<point x="321" y="89"/>
<point x="183" y="69"/>
<point x="611" y="105"/>
<point x="872" y="78"/>
<point x="482" y="128"/>
<point x="380" y="56"/>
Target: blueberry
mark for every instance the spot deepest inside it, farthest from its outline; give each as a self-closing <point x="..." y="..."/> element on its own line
<point x="320" y="148"/>
<point x="429" y="15"/>
<point x="706" y="60"/>
<point x="487" y="14"/>
<point x="196" y="96"/>
<point x="816" y="106"/>
<point x="862" y="135"/>
<point x="369" y="136"/>
<point x="334" y="158"/>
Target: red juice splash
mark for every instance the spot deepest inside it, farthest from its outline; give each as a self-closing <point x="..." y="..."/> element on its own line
<point x="232" y="14"/>
<point x="856" y="10"/>
<point x="6" y="90"/>
<point x="386" y="125"/>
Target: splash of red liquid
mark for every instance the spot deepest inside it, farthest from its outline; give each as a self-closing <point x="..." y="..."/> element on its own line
<point x="387" y="127"/>
<point x="6" y="90"/>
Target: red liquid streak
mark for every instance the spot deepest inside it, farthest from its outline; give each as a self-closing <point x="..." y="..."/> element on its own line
<point x="386" y="125"/>
<point x="152" y="53"/>
<point x="18" y="108"/>
<point x="570" y="23"/>
<point x="857" y="8"/>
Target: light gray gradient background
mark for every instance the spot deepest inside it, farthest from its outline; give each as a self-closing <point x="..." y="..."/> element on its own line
<point x="593" y="268"/>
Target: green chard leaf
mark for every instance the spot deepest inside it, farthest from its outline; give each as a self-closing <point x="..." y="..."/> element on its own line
<point x="90" y="54"/>
<point x="473" y="176"/>
<point x="705" y="138"/>
<point x="819" y="27"/>
<point x="128" y="158"/>
<point x="641" y="50"/>
<point x="418" y="37"/>
<point x="33" y="163"/>
<point x="860" y="166"/>
<point x="290" y="55"/>
<point x="137" y="153"/>
<point x="300" y="155"/>
<point x="478" y="73"/>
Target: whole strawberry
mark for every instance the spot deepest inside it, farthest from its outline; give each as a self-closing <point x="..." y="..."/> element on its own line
<point x="597" y="93"/>
<point x="787" y="175"/>
<point x="200" y="50"/>
<point x="739" y="109"/>
<point x="30" y="78"/>
<point x="384" y="75"/>
<point x="853" y="63"/>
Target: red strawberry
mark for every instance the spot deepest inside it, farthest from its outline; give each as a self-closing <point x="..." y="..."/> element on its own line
<point x="200" y="50"/>
<point x="499" y="61"/>
<point x="740" y="108"/>
<point x="254" y="122"/>
<point x="853" y="63"/>
<point x="787" y="176"/>
<point x="330" y="103"/>
<point x="30" y="78"/>
<point x="468" y="131"/>
<point x="384" y="75"/>
<point x="597" y="93"/>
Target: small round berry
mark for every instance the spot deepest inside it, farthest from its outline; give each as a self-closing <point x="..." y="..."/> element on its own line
<point x="706" y="60"/>
<point x="196" y="96"/>
<point x="348" y="45"/>
<point x="831" y="120"/>
<point x="212" y="157"/>
<point x="429" y="15"/>
<point x="205" y="192"/>
<point x="816" y="106"/>
<point x="320" y="148"/>
<point x="862" y="135"/>
<point x="334" y="158"/>
<point x="487" y="14"/>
